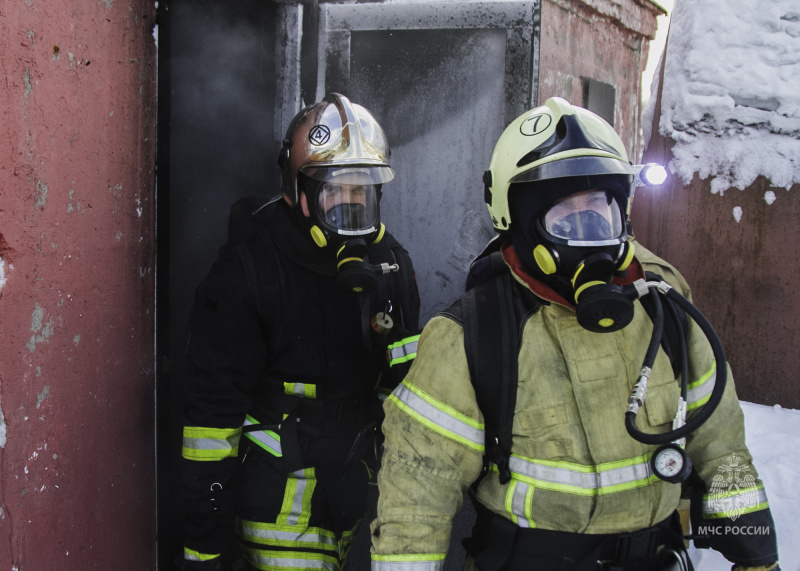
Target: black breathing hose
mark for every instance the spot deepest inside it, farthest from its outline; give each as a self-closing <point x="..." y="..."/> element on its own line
<point x="719" y="385"/>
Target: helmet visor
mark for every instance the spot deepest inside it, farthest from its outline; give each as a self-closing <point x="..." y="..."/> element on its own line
<point x="348" y="205"/>
<point x="591" y="217"/>
<point x="350" y="174"/>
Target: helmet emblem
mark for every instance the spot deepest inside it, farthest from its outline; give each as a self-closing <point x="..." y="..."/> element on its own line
<point x="319" y="135"/>
<point x="535" y="124"/>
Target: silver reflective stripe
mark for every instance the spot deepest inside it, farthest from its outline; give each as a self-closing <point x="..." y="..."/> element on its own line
<point x="730" y="503"/>
<point x="403" y="350"/>
<point x="553" y="474"/>
<point x="624" y="475"/>
<point x="269" y="560"/>
<point x="266" y="533"/>
<point x="520" y="503"/>
<point x="583" y="480"/>
<point x="699" y="392"/>
<point x="267" y="439"/>
<point x="407" y="565"/>
<point x="301" y="483"/>
<point x="434" y="418"/>
<point x="192" y="555"/>
<point x="205" y="443"/>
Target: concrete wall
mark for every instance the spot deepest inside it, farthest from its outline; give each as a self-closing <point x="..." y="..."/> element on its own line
<point x="605" y="41"/>
<point x="77" y="149"/>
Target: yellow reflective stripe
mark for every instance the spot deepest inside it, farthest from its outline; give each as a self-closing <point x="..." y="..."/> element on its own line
<point x="266" y="439"/>
<point x="422" y="557"/>
<point x="518" y="504"/>
<point x="700" y="391"/>
<point x="289" y="560"/>
<point x="296" y="508"/>
<point x="438" y="416"/>
<point x="192" y="555"/>
<point x="734" y="502"/>
<point x="300" y="390"/>
<point x="583" y="480"/>
<point x="403" y="351"/>
<point x="210" y="444"/>
<point x="273" y="534"/>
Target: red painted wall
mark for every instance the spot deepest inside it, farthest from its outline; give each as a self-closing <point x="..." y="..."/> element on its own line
<point x="77" y="155"/>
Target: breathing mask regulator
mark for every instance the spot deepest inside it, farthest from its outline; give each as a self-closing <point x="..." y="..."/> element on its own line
<point x="335" y="154"/>
<point x="560" y="185"/>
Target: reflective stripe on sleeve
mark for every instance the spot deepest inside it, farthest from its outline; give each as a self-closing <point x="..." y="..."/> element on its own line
<point x="266" y="439"/>
<point x="403" y="351"/>
<point x="272" y="560"/>
<point x="439" y="417"/>
<point x="421" y="562"/>
<point x="192" y="555"/>
<point x="734" y="502"/>
<point x="304" y="390"/>
<point x="210" y="444"/>
<point x="581" y="479"/>
<point x="277" y="535"/>
<point x="700" y="391"/>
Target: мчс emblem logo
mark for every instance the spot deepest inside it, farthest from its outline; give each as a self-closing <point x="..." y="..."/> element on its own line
<point x="319" y="135"/>
<point x="733" y="491"/>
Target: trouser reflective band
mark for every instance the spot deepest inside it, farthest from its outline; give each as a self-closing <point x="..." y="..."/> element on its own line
<point x="421" y="562"/>
<point x="272" y="560"/>
<point x="192" y="555"/>
<point x="700" y="391"/>
<point x="729" y="501"/>
<point x="582" y="480"/>
<point x="209" y="444"/>
<point x="404" y="350"/>
<point x="276" y="535"/>
<point x="438" y="416"/>
<point x="296" y="508"/>
<point x="266" y="439"/>
<point x="300" y="390"/>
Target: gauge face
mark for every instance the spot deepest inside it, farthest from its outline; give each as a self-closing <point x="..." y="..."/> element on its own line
<point x="668" y="462"/>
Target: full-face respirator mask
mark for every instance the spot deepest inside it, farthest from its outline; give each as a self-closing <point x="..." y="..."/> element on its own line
<point x="577" y="244"/>
<point x="344" y="217"/>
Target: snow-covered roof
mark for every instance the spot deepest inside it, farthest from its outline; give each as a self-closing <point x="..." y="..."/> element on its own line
<point x="731" y="96"/>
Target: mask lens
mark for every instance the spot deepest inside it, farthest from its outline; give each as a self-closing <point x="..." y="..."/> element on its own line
<point x="591" y="216"/>
<point x="349" y="208"/>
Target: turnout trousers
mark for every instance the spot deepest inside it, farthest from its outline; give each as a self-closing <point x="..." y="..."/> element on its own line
<point x="304" y="520"/>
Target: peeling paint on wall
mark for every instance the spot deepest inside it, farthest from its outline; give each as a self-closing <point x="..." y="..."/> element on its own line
<point x="2" y="274"/>
<point x="2" y="424"/>
<point x="42" y="395"/>
<point x="37" y="325"/>
<point x="40" y="194"/>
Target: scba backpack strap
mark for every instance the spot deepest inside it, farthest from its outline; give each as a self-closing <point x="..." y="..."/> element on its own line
<point x="494" y="311"/>
<point x="249" y="239"/>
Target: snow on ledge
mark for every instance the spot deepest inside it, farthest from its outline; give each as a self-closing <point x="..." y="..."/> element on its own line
<point x="731" y="92"/>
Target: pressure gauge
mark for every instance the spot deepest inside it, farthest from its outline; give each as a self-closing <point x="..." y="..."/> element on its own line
<point x="670" y="463"/>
